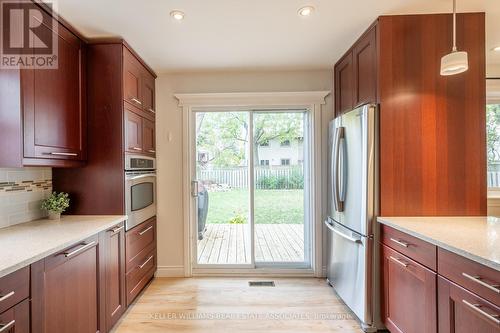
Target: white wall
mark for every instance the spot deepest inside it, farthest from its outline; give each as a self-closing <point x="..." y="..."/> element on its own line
<point x="169" y="139"/>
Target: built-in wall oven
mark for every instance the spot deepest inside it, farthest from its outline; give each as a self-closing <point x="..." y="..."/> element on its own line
<point x="140" y="189"/>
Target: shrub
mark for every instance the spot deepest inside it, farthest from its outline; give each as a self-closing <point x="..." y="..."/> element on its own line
<point x="238" y="219"/>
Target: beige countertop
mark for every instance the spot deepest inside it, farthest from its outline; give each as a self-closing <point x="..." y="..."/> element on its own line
<point x="476" y="238"/>
<point x="26" y="243"/>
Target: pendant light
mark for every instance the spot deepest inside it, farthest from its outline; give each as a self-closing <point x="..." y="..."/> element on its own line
<point x="455" y="62"/>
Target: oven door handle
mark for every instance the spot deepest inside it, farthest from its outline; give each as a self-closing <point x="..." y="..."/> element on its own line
<point x="141" y="176"/>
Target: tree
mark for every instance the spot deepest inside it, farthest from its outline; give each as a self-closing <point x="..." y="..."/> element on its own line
<point x="224" y="135"/>
<point x="492" y="132"/>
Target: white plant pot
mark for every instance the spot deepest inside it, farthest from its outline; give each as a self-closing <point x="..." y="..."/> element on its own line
<point x="54" y="215"/>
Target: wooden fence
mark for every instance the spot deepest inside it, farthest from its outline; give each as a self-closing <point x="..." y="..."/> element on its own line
<point x="265" y="177"/>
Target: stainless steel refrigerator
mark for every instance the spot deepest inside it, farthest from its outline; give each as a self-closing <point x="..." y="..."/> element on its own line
<point x="352" y="266"/>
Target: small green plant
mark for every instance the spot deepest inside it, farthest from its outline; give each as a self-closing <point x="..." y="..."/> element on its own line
<point x="56" y="202"/>
<point x="238" y="219"/>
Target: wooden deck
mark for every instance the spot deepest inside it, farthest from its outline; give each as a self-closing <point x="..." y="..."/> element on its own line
<point x="229" y="243"/>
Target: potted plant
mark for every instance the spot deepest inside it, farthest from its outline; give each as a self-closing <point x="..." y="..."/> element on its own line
<point x="55" y="204"/>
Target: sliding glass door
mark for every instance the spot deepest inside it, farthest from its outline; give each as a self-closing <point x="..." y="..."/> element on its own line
<point x="250" y="190"/>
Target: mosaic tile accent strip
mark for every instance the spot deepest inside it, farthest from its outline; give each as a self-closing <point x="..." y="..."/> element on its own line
<point x="26" y="185"/>
<point x="21" y="194"/>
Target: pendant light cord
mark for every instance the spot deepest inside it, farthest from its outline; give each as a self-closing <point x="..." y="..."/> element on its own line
<point x="454" y="49"/>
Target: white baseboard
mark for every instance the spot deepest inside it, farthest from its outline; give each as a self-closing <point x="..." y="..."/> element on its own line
<point x="170" y="271"/>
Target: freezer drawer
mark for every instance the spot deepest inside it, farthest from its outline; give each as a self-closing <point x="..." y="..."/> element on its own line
<point x="349" y="270"/>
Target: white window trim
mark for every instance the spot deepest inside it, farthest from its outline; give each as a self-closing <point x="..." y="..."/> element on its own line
<point x="310" y="100"/>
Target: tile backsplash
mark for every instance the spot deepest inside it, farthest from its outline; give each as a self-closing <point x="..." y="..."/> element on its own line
<point x="21" y="193"/>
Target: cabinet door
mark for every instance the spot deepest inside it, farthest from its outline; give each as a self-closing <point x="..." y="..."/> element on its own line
<point x="148" y="134"/>
<point x="132" y="73"/>
<point x="344" y="85"/>
<point x="148" y="93"/>
<point x="113" y="256"/>
<point x="64" y="291"/>
<point x="16" y="319"/>
<point x="461" y="311"/>
<point x="365" y="69"/>
<point x="409" y="294"/>
<point x="133" y="131"/>
<point x="54" y="108"/>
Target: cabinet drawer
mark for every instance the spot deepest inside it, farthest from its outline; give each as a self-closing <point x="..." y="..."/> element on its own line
<point x="418" y="250"/>
<point x="14" y="288"/>
<point x="461" y="311"/>
<point x="139" y="241"/>
<point x="140" y="275"/>
<point x="479" y="279"/>
<point x="16" y="319"/>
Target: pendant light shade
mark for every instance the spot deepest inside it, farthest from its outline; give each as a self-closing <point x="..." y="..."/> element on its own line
<point x="455" y="62"/>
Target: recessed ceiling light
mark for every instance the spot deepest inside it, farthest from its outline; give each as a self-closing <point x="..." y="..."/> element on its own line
<point x="496" y="49"/>
<point x="306" y="11"/>
<point x="177" y="15"/>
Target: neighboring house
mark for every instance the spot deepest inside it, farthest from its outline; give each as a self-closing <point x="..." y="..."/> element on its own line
<point x="281" y="153"/>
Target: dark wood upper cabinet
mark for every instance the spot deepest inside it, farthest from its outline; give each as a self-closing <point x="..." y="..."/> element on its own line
<point x="461" y="311"/>
<point x="132" y="79"/>
<point x="344" y="79"/>
<point x="409" y="294"/>
<point x="148" y="93"/>
<point x="148" y="136"/>
<point x="432" y="128"/>
<point x="65" y="290"/>
<point x="113" y="259"/>
<point x="133" y="131"/>
<point x="49" y="126"/>
<point x="364" y="55"/>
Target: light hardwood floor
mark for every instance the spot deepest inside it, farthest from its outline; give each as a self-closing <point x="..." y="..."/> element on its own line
<point x="230" y="305"/>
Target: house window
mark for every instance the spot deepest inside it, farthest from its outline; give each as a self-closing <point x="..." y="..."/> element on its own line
<point x="285" y="161"/>
<point x="264" y="143"/>
<point x="285" y="143"/>
<point x="493" y="144"/>
<point x="264" y="162"/>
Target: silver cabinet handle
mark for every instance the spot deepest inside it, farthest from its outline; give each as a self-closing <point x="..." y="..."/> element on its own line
<point x="477" y="279"/>
<point x="4" y="327"/>
<point x="136" y="148"/>
<point x="63" y="154"/>
<point x="9" y="295"/>
<point x="145" y="230"/>
<point x="144" y="263"/>
<point x="83" y="248"/>
<point x="400" y="242"/>
<point x="115" y="230"/>
<point x="477" y="308"/>
<point x="399" y="262"/>
<point x="349" y="238"/>
<point x="151" y="110"/>
<point x="152" y="151"/>
<point x="136" y="100"/>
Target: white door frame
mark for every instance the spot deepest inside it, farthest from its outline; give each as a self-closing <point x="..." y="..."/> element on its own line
<point x="310" y="100"/>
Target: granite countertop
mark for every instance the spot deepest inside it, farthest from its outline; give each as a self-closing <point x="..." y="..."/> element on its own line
<point x="476" y="238"/>
<point x="26" y="243"/>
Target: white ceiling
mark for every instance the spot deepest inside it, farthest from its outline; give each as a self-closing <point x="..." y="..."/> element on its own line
<point x="251" y="34"/>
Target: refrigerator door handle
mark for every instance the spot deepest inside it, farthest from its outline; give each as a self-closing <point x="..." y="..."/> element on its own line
<point x="349" y="238"/>
<point x="338" y="204"/>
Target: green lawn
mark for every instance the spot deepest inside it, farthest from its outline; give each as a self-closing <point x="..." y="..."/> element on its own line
<point x="271" y="206"/>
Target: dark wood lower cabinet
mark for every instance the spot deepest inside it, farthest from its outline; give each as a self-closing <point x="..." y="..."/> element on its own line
<point x="409" y="294"/>
<point x="65" y="290"/>
<point x="16" y="319"/>
<point x="113" y="263"/>
<point x="461" y="311"/>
